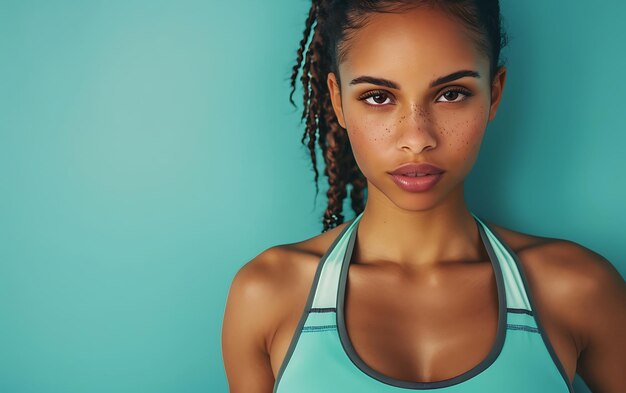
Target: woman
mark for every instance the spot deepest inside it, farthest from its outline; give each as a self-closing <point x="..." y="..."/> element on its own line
<point x="425" y="295"/>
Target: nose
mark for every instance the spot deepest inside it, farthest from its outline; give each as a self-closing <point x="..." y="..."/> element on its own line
<point x="416" y="130"/>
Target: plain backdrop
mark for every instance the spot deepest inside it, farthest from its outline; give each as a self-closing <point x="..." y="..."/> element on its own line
<point x="148" y="150"/>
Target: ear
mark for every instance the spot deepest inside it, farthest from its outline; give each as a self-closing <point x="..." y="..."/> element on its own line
<point x="496" y="92"/>
<point x="335" y="98"/>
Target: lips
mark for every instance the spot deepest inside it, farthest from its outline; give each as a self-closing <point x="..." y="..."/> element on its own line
<point x="417" y="170"/>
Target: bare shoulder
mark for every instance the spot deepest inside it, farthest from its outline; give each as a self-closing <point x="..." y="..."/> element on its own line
<point x="574" y="276"/>
<point x="264" y="292"/>
<point x="573" y="263"/>
<point x="578" y="291"/>
<point x="278" y="279"/>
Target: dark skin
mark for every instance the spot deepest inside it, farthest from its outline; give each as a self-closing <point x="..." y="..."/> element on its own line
<point x="397" y="286"/>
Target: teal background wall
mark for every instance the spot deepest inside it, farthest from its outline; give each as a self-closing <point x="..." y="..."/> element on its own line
<point x="148" y="150"/>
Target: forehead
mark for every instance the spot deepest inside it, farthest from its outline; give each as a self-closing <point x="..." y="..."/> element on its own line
<point x="420" y="41"/>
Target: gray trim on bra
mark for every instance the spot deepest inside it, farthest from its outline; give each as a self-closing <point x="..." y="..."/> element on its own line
<point x="307" y="307"/>
<point x="350" y="351"/>
<point x="483" y="365"/>
<point x="542" y="332"/>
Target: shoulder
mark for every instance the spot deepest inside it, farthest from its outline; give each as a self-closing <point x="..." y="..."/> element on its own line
<point x="274" y="271"/>
<point x="564" y="264"/>
<point x="576" y="286"/>
<point x="267" y="288"/>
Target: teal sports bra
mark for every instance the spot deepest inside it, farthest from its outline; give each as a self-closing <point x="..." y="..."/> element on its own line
<point x="320" y="357"/>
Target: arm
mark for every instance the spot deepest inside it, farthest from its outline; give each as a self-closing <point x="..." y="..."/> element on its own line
<point x="247" y="323"/>
<point x="603" y="325"/>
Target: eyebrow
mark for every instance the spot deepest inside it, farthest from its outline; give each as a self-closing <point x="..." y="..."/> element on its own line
<point x="393" y="85"/>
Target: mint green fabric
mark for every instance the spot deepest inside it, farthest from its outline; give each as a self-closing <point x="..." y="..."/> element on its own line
<point x="521" y="360"/>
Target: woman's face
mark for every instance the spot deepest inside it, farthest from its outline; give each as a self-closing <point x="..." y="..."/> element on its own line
<point x="412" y="121"/>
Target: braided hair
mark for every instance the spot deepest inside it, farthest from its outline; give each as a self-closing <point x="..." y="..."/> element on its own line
<point x="333" y="23"/>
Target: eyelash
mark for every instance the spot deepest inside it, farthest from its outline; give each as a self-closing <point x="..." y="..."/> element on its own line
<point x="374" y="93"/>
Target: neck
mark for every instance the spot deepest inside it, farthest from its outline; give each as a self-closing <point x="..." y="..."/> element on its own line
<point x="445" y="233"/>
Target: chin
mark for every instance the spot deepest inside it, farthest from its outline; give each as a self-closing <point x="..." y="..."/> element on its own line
<point x="418" y="203"/>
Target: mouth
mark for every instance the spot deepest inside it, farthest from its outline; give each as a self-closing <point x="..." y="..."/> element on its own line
<point x="416" y="182"/>
<point x="417" y="170"/>
<point x="415" y="174"/>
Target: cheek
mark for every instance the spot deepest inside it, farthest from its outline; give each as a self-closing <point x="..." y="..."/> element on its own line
<point x="369" y="138"/>
<point x="463" y="136"/>
<point x="367" y="133"/>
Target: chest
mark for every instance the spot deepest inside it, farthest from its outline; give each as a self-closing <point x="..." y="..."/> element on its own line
<point x="424" y="327"/>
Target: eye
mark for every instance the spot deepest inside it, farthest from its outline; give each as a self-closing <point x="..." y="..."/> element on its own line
<point x="378" y="97"/>
<point x="453" y="93"/>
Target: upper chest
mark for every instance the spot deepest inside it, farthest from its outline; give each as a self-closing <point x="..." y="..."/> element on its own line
<point x="424" y="326"/>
